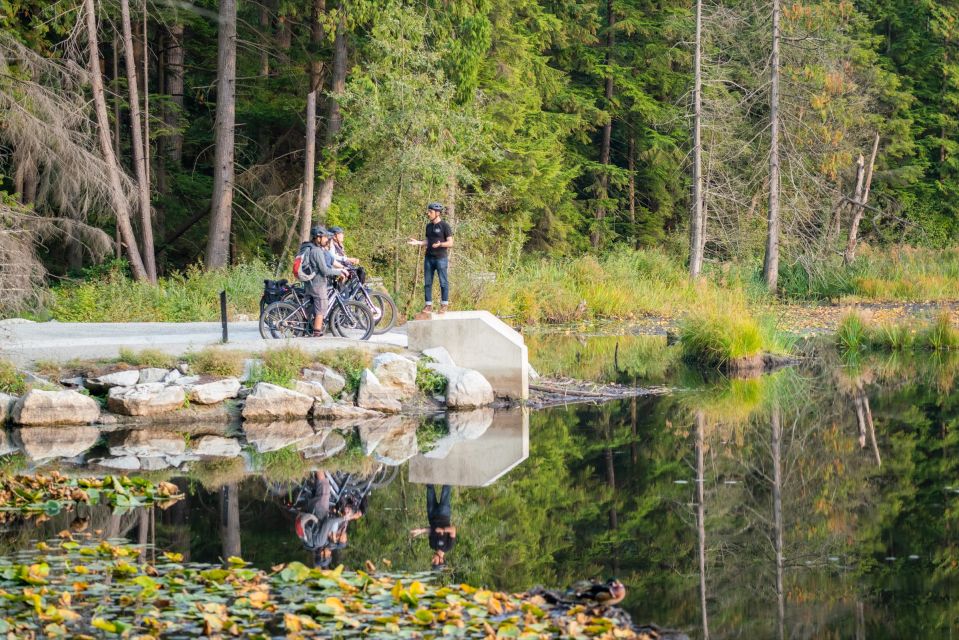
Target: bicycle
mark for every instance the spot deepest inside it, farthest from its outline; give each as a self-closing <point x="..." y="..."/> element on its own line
<point x="380" y="303"/>
<point x="292" y="317"/>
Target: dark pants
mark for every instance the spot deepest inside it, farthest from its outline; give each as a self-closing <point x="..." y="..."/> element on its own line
<point x="439" y="265"/>
<point x="439" y="513"/>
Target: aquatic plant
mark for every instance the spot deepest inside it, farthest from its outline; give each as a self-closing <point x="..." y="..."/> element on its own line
<point x="856" y="333"/>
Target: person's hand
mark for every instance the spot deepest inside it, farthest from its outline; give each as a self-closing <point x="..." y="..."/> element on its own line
<point x="437" y="245"/>
<point x="354" y="261"/>
<point x="414" y="242"/>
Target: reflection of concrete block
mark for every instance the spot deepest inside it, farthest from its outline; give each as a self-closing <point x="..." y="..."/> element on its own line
<point x="480" y="462"/>
<point x="481" y="341"/>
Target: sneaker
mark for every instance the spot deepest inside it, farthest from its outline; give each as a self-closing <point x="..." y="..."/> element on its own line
<point x="444" y="308"/>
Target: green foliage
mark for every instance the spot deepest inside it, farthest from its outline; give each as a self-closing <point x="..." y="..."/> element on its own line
<point x="281" y="366"/>
<point x="282" y="465"/>
<point x="714" y="339"/>
<point x="429" y="381"/>
<point x="217" y="361"/>
<point x="429" y="433"/>
<point x="350" y="363"/>
<point x="146" y="358"/>
<point x="856" y="333"/>
<point x="11" y="380"/>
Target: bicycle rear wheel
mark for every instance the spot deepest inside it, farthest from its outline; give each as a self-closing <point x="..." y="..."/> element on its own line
<point x="352" y="320"/>
<point x="384" y="312"/>
<point x="283" y="320"/>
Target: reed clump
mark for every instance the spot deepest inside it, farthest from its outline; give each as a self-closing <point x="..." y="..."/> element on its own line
<point x="856" y="333"/>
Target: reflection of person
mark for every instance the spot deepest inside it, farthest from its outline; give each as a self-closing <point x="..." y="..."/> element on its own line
<point x="439" y="238"/>
<point x="442" y="533"/>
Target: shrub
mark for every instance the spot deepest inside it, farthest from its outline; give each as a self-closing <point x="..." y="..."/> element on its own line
<point x="852" y="333"/>
<point x="280" y="366"/>
<point x="429" y="381"/>
<point x="11" y="380"/>
<point x="218" y="361"/>
<point x="147" y="358"/>
<point x="856" y="334"/>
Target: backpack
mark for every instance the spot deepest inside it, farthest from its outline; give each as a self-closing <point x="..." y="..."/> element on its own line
<point x="302" y="269"/>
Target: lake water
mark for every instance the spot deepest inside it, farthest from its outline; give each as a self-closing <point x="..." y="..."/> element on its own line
<point x="820" y="501"/>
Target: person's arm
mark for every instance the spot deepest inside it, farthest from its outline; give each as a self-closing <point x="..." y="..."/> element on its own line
<point x="325" y="270"/>
<point x="416" y="243"/>
<point x="418" y="532"/>
<point x="447" y="241"/>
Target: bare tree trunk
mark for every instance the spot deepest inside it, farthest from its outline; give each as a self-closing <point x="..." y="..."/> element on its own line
<point x="696" y="214"/>
<point x="174" y="88"/>
<point x="221" y="213"/>
<point x="631" y="167"/>
<point x="146" y="97"/>
<point x="139" y="160"/>
<point x="860" y="206"/>
<point x="701" y="512"/>
<point x="309" y="167"/>
<point x="606" y="140"/>
<point x="335" y="119"/>
<point x="264" y="39"/>
<point x="117" y="197"/>
<point x="771" y="262"/>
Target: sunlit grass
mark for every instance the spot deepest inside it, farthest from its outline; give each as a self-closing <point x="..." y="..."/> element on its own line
<point x="217" y="361"/>
<point x="856" y="333"/>
<point x="280" y="366"/>
<point x="146" y="358"/>
<point x="11" y="380"/>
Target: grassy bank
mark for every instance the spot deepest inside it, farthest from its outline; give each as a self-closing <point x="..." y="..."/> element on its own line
<point x="857" y="333"/>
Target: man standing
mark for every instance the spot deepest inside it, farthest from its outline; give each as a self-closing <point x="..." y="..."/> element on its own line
<point x="439" y="238"/>
<point x="321" y="263"/>
<point x="442" y="533"/>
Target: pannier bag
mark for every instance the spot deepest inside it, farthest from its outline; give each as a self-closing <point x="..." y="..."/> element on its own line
<point x="273" y="291"/>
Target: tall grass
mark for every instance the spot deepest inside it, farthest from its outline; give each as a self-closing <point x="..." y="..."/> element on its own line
<point x="11" y="380"/>
<point x="856" y="333"/>
<point x="280" y="366"/>
<point x="217" y="361"/>
<point x="146" y="358"/>
<point x="714" y="337"/>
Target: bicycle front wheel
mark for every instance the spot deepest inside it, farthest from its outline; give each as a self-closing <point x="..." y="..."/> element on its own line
<point x="283" y="320"/>
<point x="352" y="320"/>
<point x="384" y="312"/>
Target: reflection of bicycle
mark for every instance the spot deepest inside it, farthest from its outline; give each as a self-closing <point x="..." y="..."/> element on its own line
<point x="292" y="317"/>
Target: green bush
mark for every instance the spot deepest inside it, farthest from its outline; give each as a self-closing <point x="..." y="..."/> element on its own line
<point x="280" y="366"/>
<point x="852" y="334"/>
<point x="940" y="334"/>
<point x="11" y="380"/>
<point x="429" y="381"/>
<point x="856" y="334"/>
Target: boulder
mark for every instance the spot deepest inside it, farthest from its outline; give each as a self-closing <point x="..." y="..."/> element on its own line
<point x="276" y="435"/>
<point x="153" y="464"/>
<point x="147" y="443"/>
<point x="213" y="392"/>
<point x="315" y="390"/>
<point x="41" y="443"/>
<point x="186" y="381"/>
<point x="395" y="372"/>
<point x="466" y="388"/>
<point x="75" y="381"/>
<point x="38" y="407"/>
<point x="125" y="463"/>
<point x="172" y="376"/>
<point x="324" y="444"/>
<point x="439" y="355"/>
<point x="183" y="367"/>
<point x="152" y="374"/>
<point x="270" y="402"/>
<point x="216" y="447"/>
<point x="7" y="403"/>
<point x="373" y="395"/>
<point x="390" y="440"/>
<point x="102" y="384"/>
<point x="148" y="399"/>
<point x="333" y="382"/>
<point x="342" y="411"/>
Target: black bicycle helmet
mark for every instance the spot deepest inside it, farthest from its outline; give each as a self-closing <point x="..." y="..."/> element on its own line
<point x="317" y="231"/>
<point x="336" y="230"/>
<point x="436" y="206"/>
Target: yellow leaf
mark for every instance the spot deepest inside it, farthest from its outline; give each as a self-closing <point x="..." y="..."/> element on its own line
<point x="336" y="604"/>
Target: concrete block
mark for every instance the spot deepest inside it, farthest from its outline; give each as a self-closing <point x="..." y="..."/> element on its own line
<point x="482" y="461"/>
<point x="481" y="341"/>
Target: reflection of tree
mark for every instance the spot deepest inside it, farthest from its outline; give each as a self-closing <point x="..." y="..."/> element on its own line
<point x="230" y="520"/>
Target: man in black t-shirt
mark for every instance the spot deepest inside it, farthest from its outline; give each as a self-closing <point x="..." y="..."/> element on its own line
<point x="442" y="533"/>
<point x="439" y="238"/>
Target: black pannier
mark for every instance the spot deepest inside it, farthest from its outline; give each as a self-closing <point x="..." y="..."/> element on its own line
<point x="273" y="291"/>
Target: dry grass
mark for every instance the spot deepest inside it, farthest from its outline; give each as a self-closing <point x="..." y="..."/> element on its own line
<point x="217" y="361"/>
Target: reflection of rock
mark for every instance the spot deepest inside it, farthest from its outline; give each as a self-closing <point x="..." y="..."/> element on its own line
<point x="213" y="392"/>
<point x="373" y="395"/>
<point x="6" y="407"/>
<point x="276" y="435"/>
<point x="7" y="445"/>
<point x="439" y="355"/>
<point x="390" y="440"/>
<point x="315" y="390"/>
<point x="152" y="374"/>
<point x="462" y="425"/>
<point x="104" y="383"/>
<point x="215" y="447"/>
<point x="38" y="407"/>
<point x="146" y="443"/>
<point x="323" y="444"/>
<point x="270" y="402"/>
<point x="395" y="373"/>
<point x="153" y="464"/>
<point x="466" y="388"/>
<point x="40" y="443"/>
<point x="333" y="382"/>
<point x="125" y="463"/>
<point x="145" y="399"/>
<point x="341" y="411"/>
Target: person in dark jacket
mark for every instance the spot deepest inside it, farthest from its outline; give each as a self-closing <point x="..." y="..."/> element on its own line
<point x="320" y="261"/>
<point x="442" y="533"/>
<point x="439" y="239"/>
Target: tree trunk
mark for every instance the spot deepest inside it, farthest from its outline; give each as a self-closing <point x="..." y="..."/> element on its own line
<point x="221" y="213"/>
<point x="778" y="519"/>
<point x="606" y="140"/>
<point x="146" y="97"/>
<point x="230" y="520"/>
<point x="631" y="166"/>
<point x="174" y="89"/>
<point x="335" y="120"/>
<point x="264" y="39"/>
<point x="309" y="168"/>
<point x="117" y="197"/>
<point x="696" y="214"/>
<point x="139" y="159"/>
<point x="771" y="262"/>
<point x="859" y="207"/>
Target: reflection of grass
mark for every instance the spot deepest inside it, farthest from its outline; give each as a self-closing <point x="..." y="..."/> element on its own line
<point x="282" y="465"/>
<point x="603" y="358"/>
<point x="895" y="367"/>
<point x="213" y="474"/>
<point x="429" y="433"/>
<point x="735" y="400"/>
<point x="12" y="463"/>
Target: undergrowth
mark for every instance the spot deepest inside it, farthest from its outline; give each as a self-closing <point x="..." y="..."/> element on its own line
<point x="429" y="381"/>
<point x="11" y="380"/>
<point x="280" y="366"/>
<point x="713" y="338"/>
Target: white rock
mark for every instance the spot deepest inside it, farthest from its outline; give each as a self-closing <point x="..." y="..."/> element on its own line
<point x="276" y="435"/>
<point x="315" y="390"/>
<point x="183" y="368"/>
<point x="332" y="381"/>
<point x="148" y="399"/>
<point x="172" y="376"/>
<point x="186" y="381"/>
<point x="533" y="374"/>
<point x="439" y="355"/>
<point x="41" y="443"/>
<point x="395" y="372"/>
<point x="115" y="379"/>
<point x="38" y="407"/>
<point x="373" y="395"/>
<point x="213" y="392"/>
<point x="248" y="366"/>
<point x="342" y="411"/>
<point x="466" y="388"/>
<point x="216" y="447"/>
<point x="126" y="463"/>
<point x="270" y="402"/>
<point x="144" y="443"/>
<point x="7" y="403"/>
<point x="325" y="444"/>
<point x="152" y="374"/>
<point x="76" y="381"/>
<point x="153" y="464"/>
<point x="177" y="461"/>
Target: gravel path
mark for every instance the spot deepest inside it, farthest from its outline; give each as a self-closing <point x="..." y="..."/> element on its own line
<point x="29" y="342"/>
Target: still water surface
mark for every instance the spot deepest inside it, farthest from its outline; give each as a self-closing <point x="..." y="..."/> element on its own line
<point x="820" y="501"/>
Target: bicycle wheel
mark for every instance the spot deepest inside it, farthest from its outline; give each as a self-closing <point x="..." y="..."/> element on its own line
<point x="353" y="320"/>
<point x="283" y="320"/>
<point x="384" y="312"/>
